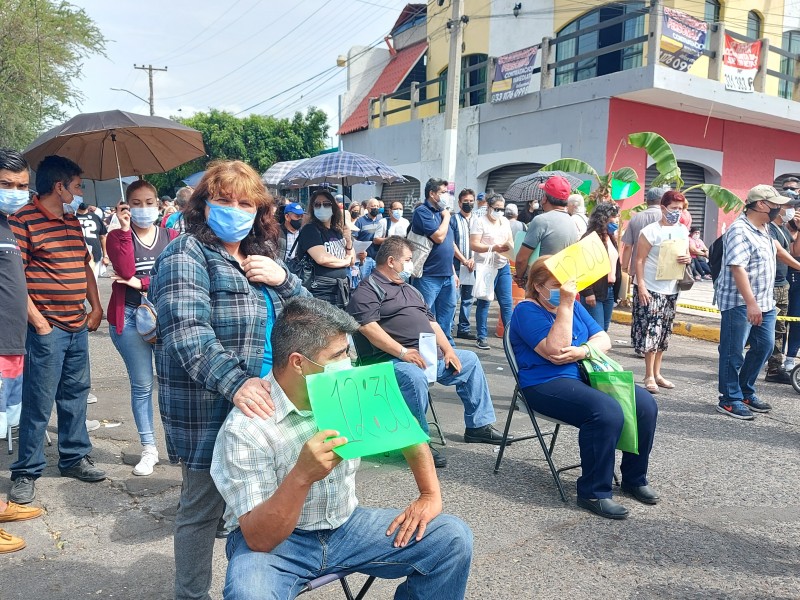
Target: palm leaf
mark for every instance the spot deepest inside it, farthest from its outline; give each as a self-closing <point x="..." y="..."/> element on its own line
<point x="722" y="197"/>
<point x="625" y="215"/>
<point x="626" y="174"/>
<point x="661" y="152"/>
<point x="570" y="165"/>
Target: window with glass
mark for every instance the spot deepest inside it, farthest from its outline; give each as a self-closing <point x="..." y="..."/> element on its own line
<point x="473" y="82"/>
<point x="755" y="25"/>
<point x="713" y="11"/>
<point x="790" y="43"/>
<point x="612" y="62"/>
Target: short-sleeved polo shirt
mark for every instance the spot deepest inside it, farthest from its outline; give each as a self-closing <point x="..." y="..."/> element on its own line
<point x="426" y="221"/>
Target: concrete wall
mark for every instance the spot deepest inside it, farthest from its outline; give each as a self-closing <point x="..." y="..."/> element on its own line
<point x="363" y="69"/>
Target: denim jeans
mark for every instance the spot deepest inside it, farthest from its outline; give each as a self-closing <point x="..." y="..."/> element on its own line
<point x="599" y="420"/>
<point x="464" y="308"/>
<point x="601" y="311"/>
<point x="470" y="383"/>
<point x="56" y="371"/>
<point x="738" y="372"/>
<point x="440" y="296"/>
<point x="502" y="292"/>
<point x="793" y="344"/>
<point x="138" y="358"/>
<point x="437" y="566"/>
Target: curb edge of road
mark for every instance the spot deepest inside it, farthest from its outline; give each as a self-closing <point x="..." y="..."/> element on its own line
<point x="679" y="327"/>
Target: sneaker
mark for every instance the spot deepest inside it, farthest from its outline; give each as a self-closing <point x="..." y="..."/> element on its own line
<point x="757" y="405"/>
<point x="84" y="470"/>
<point x="735" y="409"/>
<point x="466" y="335"/>
<point x="147" y="462"/>
<point x="91" y="399"/>
<point x="483" y="344"/>
<point x="10" y="543"/>
<point x="779" y="376"/>
<point x="23" y="490"/>
<point x="788" y="365"/>
<point x="92" y="425"/>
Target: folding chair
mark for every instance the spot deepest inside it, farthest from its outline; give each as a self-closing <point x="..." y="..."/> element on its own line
<point x="340" y="577"/>
<point x="364" y="349"/>
<point x="517" y="398"/>
<point x="10" y="431"/>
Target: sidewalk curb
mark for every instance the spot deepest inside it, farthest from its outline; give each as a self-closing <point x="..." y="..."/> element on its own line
<point x="679" y="327"/>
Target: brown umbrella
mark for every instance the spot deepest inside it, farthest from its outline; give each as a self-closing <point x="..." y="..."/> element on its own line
<point x="115" y="143"/>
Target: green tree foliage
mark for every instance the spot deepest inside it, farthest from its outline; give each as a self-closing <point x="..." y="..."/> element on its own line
<point x="258" y="140"/>
<point x="42" y="47"/>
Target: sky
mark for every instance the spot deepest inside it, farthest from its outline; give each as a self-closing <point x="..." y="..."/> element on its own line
<point x="242" y="56"/>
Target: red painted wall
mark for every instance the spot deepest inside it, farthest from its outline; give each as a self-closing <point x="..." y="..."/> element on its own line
<point x="749" y="151"/>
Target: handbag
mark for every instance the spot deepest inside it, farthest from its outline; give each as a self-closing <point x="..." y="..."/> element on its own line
<point x="485" y="274"/>
<point x="301" y="266"/>
<point x="146" y="317"/>
<point x="420" y="249"/>
<point x="687" y="281"/>
<point x="606" y="375"/>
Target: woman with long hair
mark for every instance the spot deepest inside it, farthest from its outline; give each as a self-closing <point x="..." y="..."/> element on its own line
<point x="598" y="299"/>
<point x="324" y="240"/>
<point x="217" y="289"/>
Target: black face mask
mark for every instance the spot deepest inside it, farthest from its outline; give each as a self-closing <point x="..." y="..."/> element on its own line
<point x="296" y="223"/>
<point x="466" y="207"/>
<point x="374" y="212"/>
<point x="774" y="212"/>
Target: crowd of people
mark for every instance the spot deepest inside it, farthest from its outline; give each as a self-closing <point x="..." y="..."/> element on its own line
<point x="247" y="297"/>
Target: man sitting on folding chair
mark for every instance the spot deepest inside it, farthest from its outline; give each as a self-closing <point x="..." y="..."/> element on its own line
<point x="291" y="507"/>
<point x="548" y="333"/>
<point x="392" y="315"/>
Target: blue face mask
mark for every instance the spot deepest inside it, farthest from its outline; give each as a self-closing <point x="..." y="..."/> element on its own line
<point x="12" y="200"/>
<point x="673" y="216"/>
<point x="229" y="224"/>
<point x="380" y="210"/>
<point x="399" y="213"/>
<point x="612" y="228"/>
<point x="144" y="216"/>
<point x="555" y="297"/>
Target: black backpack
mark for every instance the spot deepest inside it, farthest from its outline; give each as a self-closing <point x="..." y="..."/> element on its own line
<point x="715" y="253"/>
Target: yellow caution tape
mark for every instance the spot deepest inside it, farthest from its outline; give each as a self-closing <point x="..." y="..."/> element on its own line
<point x="716" y="310"/>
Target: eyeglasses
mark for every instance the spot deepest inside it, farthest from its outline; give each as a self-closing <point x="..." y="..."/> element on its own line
<point x="323" y="205"/>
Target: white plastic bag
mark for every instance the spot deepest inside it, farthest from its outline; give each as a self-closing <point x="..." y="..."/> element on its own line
<point x="485" y="274"/>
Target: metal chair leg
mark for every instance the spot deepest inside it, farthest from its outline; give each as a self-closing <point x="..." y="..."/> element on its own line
<point x="504" y="441"/>
<point x="548" y="457"/>
<point x="435" y="420"/>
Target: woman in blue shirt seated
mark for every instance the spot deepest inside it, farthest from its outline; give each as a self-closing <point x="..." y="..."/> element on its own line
<point x="548" y="331"/>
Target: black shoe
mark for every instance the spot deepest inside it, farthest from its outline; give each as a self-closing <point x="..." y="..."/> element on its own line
<point x="485" y="435"/>
<point x="466" y="335"/>
<point x="643" y="493"/>
<point x="483" y="344"/>
<point x="221" y="532"/>
<point x="604" y="507"/>
<point x="84" y="470"/>
<point x="439" y="459"/>
<point x="779" y="376"/>
<point x="23" y="490"/>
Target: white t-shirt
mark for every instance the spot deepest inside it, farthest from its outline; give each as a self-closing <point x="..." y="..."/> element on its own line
<point x="655" y="233"/>
<point x="493" y="234"/>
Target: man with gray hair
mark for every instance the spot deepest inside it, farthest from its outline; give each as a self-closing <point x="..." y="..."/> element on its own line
<point x="638" y="222"/>
<point x="291" y="507"/>
<point x="175" y="220"/>
<point x="577" y="212"/>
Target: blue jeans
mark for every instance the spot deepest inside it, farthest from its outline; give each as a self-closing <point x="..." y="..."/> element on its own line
<point x="56" y="371"/>
<point x="138" y="358"/>
<point x="437" y="566"/>
<point x="599" y="420"/>
<point x="601" y="311"/>
<point x="793" y="344"/>
<point x="738" y="372"/>
<point x="464" y="308"/>
<point x="470" y="384"/>
<point x="502" y="292"/>
<point x="440" y="296"/>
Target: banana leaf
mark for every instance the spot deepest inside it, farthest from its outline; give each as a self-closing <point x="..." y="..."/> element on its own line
<point x="722" y="197"/>
<point x="661" y="152"/>
<point x="570" y="165"/>
<point x="626" y="174"/>
<point x="625" y="215"/>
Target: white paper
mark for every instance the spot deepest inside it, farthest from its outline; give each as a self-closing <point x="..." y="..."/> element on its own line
<point x="465" y="276"/>
<point x="360" y="247"/>
<point x="429" y="352"/>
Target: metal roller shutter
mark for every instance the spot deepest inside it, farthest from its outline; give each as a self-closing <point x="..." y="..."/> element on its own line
<point x="407" y="193"/>
<point x="778" y="183"/>
<point x="692" y="175"/>
<point x="501" y="178"/>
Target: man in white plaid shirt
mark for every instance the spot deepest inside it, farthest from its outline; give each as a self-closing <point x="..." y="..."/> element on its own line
<point x="744" y="294"/>
<point x="291" y="509"/>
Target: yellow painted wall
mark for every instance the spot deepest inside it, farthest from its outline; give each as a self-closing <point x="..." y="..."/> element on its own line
<point x="476" y="32"/>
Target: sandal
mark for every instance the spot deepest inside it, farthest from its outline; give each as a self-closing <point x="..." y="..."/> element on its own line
<point x="650" y="385"/>
<point x="664" y="383"/>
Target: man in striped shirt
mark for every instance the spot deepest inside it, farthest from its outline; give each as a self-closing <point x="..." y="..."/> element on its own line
<point x="60" y="279"/>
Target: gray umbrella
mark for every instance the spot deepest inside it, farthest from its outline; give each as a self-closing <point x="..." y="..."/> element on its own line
<point x="527" y="188"/>
<point x="278" y="171"/>
<point x="340" y="168"/>
<point x="115" y="143"/>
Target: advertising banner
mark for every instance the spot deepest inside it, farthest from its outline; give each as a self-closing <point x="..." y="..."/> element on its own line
<point x="740" y="64"/>
<point x="683" y="39"/>
<point x="512" y="74"/>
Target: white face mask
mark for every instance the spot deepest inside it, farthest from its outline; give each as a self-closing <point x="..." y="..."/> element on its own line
<point x="788" y="216"/>
<point x="408" y="267"/>
<point x="340" y="365"/>
<point x="498" y="213"/>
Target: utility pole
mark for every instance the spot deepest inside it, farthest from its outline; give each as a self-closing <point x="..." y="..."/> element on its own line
<point x="450" y="147"/>
<point x="150" y="69"/>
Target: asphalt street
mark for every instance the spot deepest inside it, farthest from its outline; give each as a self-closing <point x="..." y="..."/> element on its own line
<point x="728" y="525"/>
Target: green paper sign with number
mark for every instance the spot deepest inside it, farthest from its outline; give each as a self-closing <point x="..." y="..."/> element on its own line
<point x="585" y="187"/>
<point x="364" y="404"/>
<point x="623" y="189"/>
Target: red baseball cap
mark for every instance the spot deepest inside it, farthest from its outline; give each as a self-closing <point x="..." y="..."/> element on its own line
<point x="557" y="187"/>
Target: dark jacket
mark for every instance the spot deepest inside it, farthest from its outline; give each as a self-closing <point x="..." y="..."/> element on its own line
<point x="599" y="289"/>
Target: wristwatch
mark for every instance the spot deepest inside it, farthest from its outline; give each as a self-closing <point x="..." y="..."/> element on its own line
<point x="403" y="352"/>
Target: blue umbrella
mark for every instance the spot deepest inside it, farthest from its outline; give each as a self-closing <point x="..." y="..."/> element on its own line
<point x="194" y="179"/>
<point x="340" y="168"/>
